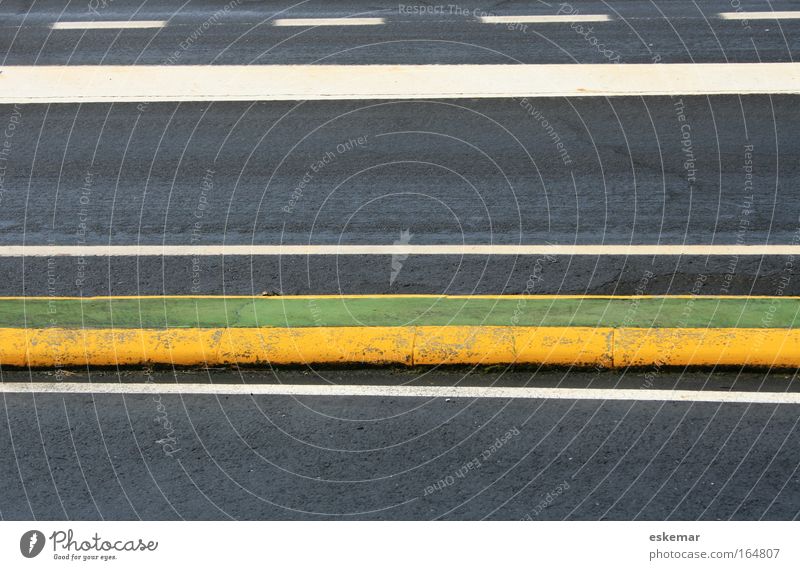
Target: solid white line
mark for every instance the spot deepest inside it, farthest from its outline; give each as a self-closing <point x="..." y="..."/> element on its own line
<point x="329" y="22"/>
<point x="405" y="391"/>
<point x="759" y="15"/>
<point x="195" y="250"/>
<point x="142" y="83"/>
<point x="553" y="19"/>
<point x="109" y="25"/>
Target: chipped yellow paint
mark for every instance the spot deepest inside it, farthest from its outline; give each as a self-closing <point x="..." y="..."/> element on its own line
<point x="192" y="347"/>
<point x="567" y="346"/>
<point x="707" y="347"/>
<point x="464" y="345"/>
<point x="424" y="345"/>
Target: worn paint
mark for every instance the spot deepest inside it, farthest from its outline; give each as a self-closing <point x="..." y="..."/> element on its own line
<point x="395" y="311"/>
<point x="580" y="346"/>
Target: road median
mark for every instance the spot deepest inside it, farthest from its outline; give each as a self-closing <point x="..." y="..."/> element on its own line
<point x="400" y="330"/>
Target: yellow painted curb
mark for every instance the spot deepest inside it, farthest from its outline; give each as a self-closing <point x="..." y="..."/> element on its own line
<point x="424" y="345"/>
<point x="707" y="347"/>
<point x="191" y="347"/>
<point x="569" y="346"/>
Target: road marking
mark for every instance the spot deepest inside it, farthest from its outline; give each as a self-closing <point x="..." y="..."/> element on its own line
<point x="480" y="392"/>
<point x="329" y="22"/>
<point x="561" y="18"/>
<point x="109" y="25"/>
<point x="143" y="83"/>
<point x="402" y="249"/>
<point x="529" y="296"/>
<point x="759" y="15"/>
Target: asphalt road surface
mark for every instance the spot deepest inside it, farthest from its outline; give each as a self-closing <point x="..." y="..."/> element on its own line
<point x="84" y="456"/>
<point x="710" y="170"/>
<point x="440" y="172"/>
<point x="639" y="32"/>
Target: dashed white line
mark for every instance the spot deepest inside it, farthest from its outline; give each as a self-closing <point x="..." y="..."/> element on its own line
<point x="553" y="19"/>
<point x="109" y="25"/>
<point x="406" y="249"/>
<point x="759" y="15"/>
<point x="404" y="392"/>
<point x="329" y="22"/>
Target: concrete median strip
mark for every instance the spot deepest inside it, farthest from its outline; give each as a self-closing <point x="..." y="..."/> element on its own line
<point x="400" y="330"/>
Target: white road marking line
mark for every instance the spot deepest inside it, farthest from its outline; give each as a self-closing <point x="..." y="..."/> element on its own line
<point x="759" y="15"/>
<point x="553" y="19"/>
<point x="142" y="83"/>
<point x="407" y="249"/>
<point x="109" y="25"/>
<point x="329" y="22"/>
<point x="404" y="392"/>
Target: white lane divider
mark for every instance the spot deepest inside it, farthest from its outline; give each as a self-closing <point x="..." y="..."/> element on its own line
<point x="109" y="25"/>
<point x="149" y="83"/>
<point x="759" y="15"/>
<point x="512" y="19"/>
<point x="552" y="19"/>
<point x="407" y="249"/>
<point x="313" y="22"/>
<point x="465" y="392"/>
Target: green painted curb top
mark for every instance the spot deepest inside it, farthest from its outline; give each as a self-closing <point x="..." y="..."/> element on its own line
<point x="214" y="312"/>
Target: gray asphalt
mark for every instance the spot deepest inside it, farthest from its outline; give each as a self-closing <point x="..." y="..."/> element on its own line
<point x="641" y="32"/>
<point x="473" y="170"/>
<point x="354" y="275"/>
<point x="449" y="172"/>
<point x="242" y="457"/>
